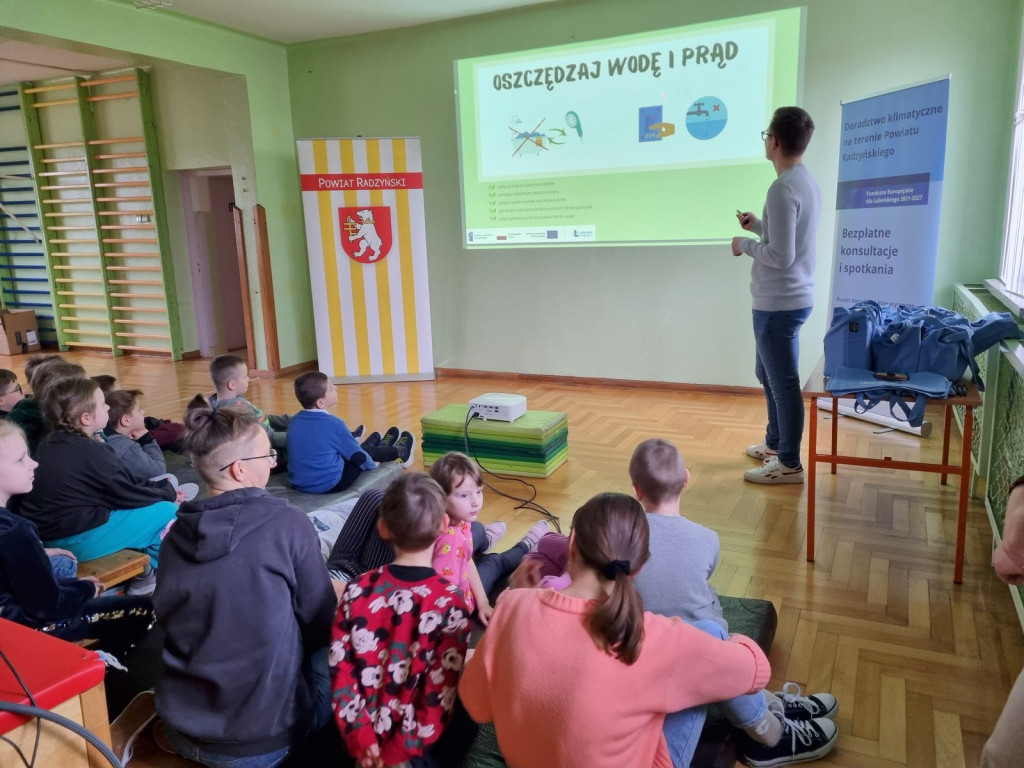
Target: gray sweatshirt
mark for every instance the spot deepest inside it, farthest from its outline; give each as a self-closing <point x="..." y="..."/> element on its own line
<point x="782" y="275"/>
<point x="143" y="458"/>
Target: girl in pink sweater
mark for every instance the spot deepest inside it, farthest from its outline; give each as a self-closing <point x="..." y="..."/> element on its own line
<point x="595" y="695"/>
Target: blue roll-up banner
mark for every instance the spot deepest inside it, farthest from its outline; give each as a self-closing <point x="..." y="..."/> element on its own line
<point x="891" y="157"/>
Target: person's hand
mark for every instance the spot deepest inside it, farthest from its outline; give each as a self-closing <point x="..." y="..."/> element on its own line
<point x="371" y="758"/>
<point x="526" y="575"/>
<point x="53" y="552"/>
<point x="1007" y="569"/>
<point x="736" y="246"/>
<point x="483" y="612"/>
<point x="747" y="220"/>
<point x="179" y="496"/>
<point x="135" y="434"/>
<point x="98" y="585"/>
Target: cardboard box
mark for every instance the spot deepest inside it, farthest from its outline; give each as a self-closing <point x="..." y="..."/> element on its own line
<point x="20" y="331"/>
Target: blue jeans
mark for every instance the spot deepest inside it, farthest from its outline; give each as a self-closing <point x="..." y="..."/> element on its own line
<point x="63" y="567"/>
<point x="321" y="716"/>
<point x="777" y="340"/>
<point x="682" y="729"/>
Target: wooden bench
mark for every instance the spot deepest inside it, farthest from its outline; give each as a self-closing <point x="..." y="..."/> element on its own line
<point x="116" y="568"/>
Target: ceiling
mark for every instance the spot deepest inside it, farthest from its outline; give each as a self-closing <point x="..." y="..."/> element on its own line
<point x="302" y="20"/>
<point x="284" y="22"/>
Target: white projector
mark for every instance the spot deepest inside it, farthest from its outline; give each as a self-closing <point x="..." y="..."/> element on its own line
<point x="498" y="406"/>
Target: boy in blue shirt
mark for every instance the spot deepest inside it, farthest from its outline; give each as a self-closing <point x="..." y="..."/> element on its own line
<point x="323" y="456"/>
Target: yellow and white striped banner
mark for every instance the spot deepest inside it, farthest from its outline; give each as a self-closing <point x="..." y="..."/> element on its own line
<point x="363" y="204"/>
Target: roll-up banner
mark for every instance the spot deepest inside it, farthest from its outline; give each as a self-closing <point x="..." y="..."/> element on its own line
<point x="363" y="205"/>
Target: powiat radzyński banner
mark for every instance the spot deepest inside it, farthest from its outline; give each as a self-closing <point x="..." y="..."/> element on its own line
<point x="363" y="205"/>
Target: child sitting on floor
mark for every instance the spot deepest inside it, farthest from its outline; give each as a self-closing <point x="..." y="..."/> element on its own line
<point x="323" y="457"/>
<point x="135" y="445"/>
<point x="84" y="499"/>
<point x="246" y="605"/>
<point x="459" y="477"/>
<point x="27" y="413"/>
<point x="595" y="693"/>
<point x="399" y="638"/>
<point x="10" y="391"/>
<point x="230" y="377"/>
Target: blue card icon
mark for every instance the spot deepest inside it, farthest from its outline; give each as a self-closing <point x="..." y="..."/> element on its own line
<point x="650" y="116"/>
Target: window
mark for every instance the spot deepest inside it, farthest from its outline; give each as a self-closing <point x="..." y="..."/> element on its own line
<point x="1011" y="268"/>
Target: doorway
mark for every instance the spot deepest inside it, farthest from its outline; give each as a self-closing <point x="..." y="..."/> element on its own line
<point x="207" y="200"/>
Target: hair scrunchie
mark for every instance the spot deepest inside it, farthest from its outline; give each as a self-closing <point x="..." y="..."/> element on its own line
<point x="614" y="568"/>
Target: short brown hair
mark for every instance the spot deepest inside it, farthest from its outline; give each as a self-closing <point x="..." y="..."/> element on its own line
<point x="792" y="127"/>
<point x="451" y="469"/>
<point x="106" y="382"/>
<point x="412" y="509"/>
<point x="7" y="377"/>
<point x="65" y="401"/>
<point x="658" y="470"/>
<point x="222" y="369"/>
<point x="310" y="387"/>
<point x="121" y="402"/>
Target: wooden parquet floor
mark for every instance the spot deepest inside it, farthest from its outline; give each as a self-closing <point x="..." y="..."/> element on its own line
<point x="921" y="666"/>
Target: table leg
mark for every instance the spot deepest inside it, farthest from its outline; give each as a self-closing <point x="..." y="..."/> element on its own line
<point x="835" y="431"/>
<point x="965" y="482"/>
<point x="812" y="465"/>
<point x="948" y="419"/>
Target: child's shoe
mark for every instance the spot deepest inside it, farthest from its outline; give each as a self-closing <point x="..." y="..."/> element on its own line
<point x="358" y="431"/>
<point x="404" y="445"/>
<point x="800" y="707"/>
<point x="494" y="533"/>
<point x="372" y="440"/>
<point x="801" y="740"/>
<point x="391" y="436"/>
<point x="144" y="584"/>
<point x="532" y="537"/>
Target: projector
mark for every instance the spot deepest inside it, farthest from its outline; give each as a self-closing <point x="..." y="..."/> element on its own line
<point x="498" y="406"/>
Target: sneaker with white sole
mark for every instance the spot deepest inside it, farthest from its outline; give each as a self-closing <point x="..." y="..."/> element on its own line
<point x="801" y="742"/>
<point x="191" y="490"/>
<point x="144" y="584"/>
<point x="800" y="707"/>
<point x="405" y="445"/>
<point x="774" y="471"/>
<point x="761" y="451"/>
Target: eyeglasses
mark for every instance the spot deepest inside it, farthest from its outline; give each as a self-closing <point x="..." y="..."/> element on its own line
<point x="765" y="135"/>
<point x="270" y="457"/>
<point x="17" y="389"/>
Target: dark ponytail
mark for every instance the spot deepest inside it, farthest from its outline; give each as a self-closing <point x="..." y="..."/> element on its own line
<point x="611" y="537"/>
<point x="211" y="436"/>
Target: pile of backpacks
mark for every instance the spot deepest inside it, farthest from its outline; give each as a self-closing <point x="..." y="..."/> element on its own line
<point x="902" y="355"/>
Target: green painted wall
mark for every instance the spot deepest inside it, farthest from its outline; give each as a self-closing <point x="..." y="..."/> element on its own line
<point x="257" y="118"/>
<point x="673" y="314"/>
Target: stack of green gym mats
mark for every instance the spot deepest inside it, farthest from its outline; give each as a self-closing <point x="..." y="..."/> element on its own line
<point x="535" y="444"/>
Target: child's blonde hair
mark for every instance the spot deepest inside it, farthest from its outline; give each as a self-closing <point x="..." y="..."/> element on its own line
<point x="10" y="429"/>
<point x="412" y="509"/>
<point x="452" y="469"/>
<point x="658" y="470"/>
<point x="611" y="536"/>
<point x="211" y="435"/>
<point x="65" y="401"/>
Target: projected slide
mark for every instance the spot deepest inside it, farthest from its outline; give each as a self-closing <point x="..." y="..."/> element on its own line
<point x="651" y="138"/>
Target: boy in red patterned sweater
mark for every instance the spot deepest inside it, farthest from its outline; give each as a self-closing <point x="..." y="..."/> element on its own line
<point x="399" y="638"/>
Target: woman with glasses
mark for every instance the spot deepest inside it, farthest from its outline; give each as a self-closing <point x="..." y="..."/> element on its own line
<point x="246" y="604"/>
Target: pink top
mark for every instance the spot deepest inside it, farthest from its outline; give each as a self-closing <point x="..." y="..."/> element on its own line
<point x="569" y="705"/>
<point x="452" y="552"/>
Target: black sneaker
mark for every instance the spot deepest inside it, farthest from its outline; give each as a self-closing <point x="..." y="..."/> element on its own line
<point x="800" y="707"/>
<point x="801" y="742"/>
<point x="372" y="440"/>
<point x="391" y="436"/>
<point x="404" y="445"/>
<point x="358" y="431"/>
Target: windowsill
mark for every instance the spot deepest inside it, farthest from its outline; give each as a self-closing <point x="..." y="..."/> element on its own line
<point x="1013" y="302"/>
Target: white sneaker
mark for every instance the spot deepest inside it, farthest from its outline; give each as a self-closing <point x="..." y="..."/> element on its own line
<point x="774" y="472"/>
<point x="761" y="451"/>
<point x="143" y="584"/>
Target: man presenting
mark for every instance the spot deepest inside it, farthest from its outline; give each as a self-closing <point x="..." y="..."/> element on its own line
<point x="782" y="284"/>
